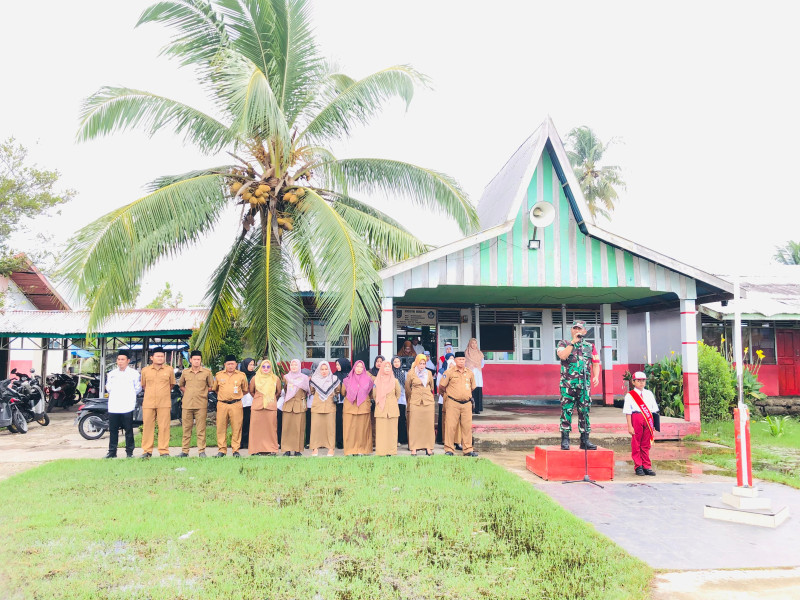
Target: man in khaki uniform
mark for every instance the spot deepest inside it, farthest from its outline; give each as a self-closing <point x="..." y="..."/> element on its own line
<point x="456" y="387"/>
<point x="230" y="385"/>
<point x="157" y="382"/>
<point x="195" y="383"/>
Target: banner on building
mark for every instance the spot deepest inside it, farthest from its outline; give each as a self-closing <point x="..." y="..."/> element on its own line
<point x="415" y="317"/>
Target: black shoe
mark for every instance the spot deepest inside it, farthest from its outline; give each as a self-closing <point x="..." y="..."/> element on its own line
<point x="565" y="440"/>
<point x="202" y="455"/>
<point x="109" y="455"/>
<point x="236" y="455"/>
<point x="298" y="454"/>
<point x="287" y="453"/>
<point x="147" y="455"/>
<point x="182" y="455"/>
<point x="219" y="455"/>
<point x="458" y="447"/>
<point x="640" y="471"/>
<point x="473" y="453"/>
<point x="129" y="455"/>
<point x="448" y="454"/>
<point x="649" y="472"/>
<point x="585" y="443"/>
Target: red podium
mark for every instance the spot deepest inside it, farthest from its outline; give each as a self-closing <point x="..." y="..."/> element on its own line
<point x="554" y="464"/>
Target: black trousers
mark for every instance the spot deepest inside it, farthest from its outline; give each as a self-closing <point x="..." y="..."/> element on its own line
<point x="245" y="427"/>
<point x="402" y="426"/>
<point x="477" y="397"/>
<point x="339" y="426"/>
<point x="125" y="422"/>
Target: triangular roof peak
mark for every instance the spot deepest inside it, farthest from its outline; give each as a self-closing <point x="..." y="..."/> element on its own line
<point x="504" y="195"/>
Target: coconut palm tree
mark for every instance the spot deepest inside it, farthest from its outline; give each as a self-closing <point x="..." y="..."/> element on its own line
<point x="788" y="254"/>
<point x="598" y="183"/>
<point x="278" y="108"/>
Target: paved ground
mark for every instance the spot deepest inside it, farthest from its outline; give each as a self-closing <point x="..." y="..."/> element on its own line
<point x="657" y="519"/>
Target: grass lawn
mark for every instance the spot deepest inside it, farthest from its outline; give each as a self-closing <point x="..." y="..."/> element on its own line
<point x="774" y="458"/>
<point x="280" y="528"/>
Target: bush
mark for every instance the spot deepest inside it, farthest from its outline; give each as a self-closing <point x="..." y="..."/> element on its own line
<point x="665" y="380"/>
<point x="716" y="389"/>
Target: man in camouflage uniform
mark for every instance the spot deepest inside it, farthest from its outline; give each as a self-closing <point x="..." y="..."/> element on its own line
<point x="578" y="360"/>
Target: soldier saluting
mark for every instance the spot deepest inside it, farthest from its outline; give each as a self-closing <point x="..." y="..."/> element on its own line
<point x="579" y="359"/>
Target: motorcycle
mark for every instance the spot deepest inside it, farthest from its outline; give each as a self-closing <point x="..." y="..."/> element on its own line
<point x="92" y="417"/>
<point x="62" y="389"/>
<point x="11" y="416"/>
<point x="29" y="397"/>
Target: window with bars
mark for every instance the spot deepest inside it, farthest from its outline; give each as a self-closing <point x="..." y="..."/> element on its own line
<point x="449" y="334"/>
<point x="318" y="346"/>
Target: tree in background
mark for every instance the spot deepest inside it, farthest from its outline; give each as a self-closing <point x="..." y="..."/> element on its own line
<point x="279" y="107"/>
<point x="26" y="191"/>
<point x="232" y="343"/>
<point x="165" y="299"/>
<point x="599" y="183"/>
<point x="788" y="254"/>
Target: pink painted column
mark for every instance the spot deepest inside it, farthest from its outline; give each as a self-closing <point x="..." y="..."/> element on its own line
<point x="606" y="356"/>
<point x="691" y="389"/>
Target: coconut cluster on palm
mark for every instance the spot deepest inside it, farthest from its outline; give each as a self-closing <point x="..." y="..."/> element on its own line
<point x="279" y="107"/>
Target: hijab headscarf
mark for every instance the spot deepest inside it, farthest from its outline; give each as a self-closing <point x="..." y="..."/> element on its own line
<point x="324" y="385"/>
<point x="473" y="355"/>
<point x="358" y="386"/>
<point x="420" y="369"/>
<point x="344" y="368"/>
<point x="399" y="374"/>
<point x="407" y="351"/>
<point x="266" y="383"/>
<point x="445" y="362"/>
<point x="295" y="380"/>
<point x="384" y="385"/>
<point x="374" y="370"/>
<point x="243" y="368"/>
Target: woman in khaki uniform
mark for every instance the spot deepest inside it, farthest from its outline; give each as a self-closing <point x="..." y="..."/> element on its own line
<point x="323" y="388"/>
<point x="293" y="433"/>
<point x="386" y="393"/>
<point x="420" y="406"/>
<point x="265" y="386"/>
<point x="357" y="410"/>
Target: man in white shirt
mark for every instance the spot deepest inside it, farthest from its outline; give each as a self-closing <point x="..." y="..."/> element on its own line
<point x="418" y="347"/>
<point x="122" y="385"/>
<point x="639" y="407"/>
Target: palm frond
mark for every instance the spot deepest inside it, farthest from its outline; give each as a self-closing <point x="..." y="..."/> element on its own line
<point x="224" y="296"/>
<point x="356" y="102"/>
<point x="243" y="89"/>
<point x="200" y="30"/>
<point x="430" y="189"/>
<point x="166" y="180"/>
<point x="390" y="241"/>
<point x="271" y="306"/>
<point x="349" y="284"/>
<point x="106" y="259"/>
<point x="113" y="109"/>
<point x="276" y="36"/>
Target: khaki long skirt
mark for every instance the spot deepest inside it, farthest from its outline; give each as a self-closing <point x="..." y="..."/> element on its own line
<point x="323" y="431"/>
<point x="386" y="436"/>
<point x="293" y="433"/>
<point x="421" y="434"/>
<point x="263" y="431"/>
<point x="357" y="434"/>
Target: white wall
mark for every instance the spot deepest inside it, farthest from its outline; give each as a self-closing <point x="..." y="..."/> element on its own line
<point x="665" y="335"/>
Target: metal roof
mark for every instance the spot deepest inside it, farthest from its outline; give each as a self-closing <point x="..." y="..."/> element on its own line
<point x="773" y="294"/>
<point x="65" y="323"/>
<point x="32" y="282"/>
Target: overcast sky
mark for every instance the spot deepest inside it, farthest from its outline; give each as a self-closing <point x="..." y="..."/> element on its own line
<point x="702" y="95"/>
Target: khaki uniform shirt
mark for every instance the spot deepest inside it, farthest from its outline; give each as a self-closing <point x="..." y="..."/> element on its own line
<point x="390" y="408"/>
<point x="157" y="383"/>
<point x="456" y="384"/>
<point x="418" y="393"/>
<point x="196" y="384"/>
<point x="230" y="387"/>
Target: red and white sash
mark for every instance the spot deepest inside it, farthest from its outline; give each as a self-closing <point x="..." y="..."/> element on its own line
<point x="648" y="416"/>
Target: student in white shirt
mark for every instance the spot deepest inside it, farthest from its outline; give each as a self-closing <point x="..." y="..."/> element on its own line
<point x="640" y="425"/>
<point x="122" y="385"/>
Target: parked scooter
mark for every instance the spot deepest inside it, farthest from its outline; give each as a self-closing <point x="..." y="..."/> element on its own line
<point x="62" y="389"/>
<point x="10" y="415"/>
<point x="92" y="417"/>
<point x="29" y="397"/>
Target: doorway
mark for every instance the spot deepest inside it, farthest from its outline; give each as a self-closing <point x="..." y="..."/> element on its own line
<point x="788" y="362"/>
